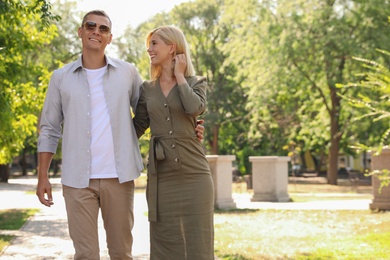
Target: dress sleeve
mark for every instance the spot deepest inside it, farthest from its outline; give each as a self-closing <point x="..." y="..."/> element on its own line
<point x="193" y="95"/>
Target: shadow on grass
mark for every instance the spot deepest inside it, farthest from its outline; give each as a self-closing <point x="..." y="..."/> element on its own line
<point x="235" y="211"/>
<point x="5" y="240"/>
<point x="14" y="219"/>
<point x="231" y="256"/>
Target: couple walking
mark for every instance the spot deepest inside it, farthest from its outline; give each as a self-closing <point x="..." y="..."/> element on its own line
<point x="89" y="104"/>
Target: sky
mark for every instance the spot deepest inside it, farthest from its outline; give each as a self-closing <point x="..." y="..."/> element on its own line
<point x="128" y="12"/>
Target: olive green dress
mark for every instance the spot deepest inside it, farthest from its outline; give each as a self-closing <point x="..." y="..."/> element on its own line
<point x="180" y="190"/>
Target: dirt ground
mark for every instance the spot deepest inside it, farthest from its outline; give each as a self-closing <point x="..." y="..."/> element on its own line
<point x="318" y="185"/>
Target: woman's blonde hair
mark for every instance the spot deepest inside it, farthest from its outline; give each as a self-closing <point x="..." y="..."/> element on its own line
<point x="171" y="35"/>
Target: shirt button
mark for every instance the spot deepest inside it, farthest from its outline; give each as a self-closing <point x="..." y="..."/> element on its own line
<point x="177" y="160"/>
<point x="170" y="132"/>
<point x="173" y="146"/>
<point x="168" y="119"/>
<point x="165" y="104"/>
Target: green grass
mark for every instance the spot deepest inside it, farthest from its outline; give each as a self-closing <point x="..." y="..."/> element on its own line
<point x="5" y="240"/>
<point x="13" y="219"/>
<point x="302" y="234"/>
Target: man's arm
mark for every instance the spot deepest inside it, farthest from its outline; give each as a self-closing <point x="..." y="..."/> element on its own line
<point x="44" y="185"/>
<point x="199" y="129"/>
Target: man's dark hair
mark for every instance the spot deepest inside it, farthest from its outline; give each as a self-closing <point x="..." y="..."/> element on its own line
<point x="96" y="12"/>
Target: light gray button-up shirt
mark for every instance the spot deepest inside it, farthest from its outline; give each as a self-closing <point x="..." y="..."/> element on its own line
<point x="67" y="113"/>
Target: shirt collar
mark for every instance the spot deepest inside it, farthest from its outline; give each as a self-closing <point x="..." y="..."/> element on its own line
<point x="79" y="65"/>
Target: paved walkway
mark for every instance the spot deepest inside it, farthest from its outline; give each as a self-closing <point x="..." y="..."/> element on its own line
<point x="45" y="236"/>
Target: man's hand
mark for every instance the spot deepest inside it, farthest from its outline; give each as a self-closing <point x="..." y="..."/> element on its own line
<point x="199" y="129"/>
<point x="44" y="187"/>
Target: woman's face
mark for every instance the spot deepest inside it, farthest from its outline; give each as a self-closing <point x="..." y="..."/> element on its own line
<point x="159" y="52"/>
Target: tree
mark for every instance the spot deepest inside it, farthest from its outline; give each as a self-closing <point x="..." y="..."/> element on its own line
<point x="373" y="97"/>
<point x="25" y="27"/>
<point x="305" y="48"/>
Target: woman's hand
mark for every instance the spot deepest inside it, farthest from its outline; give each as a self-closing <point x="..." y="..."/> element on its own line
<point x="180" y="64"/>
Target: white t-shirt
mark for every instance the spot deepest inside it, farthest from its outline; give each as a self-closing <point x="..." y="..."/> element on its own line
<point x="102" y="148"/>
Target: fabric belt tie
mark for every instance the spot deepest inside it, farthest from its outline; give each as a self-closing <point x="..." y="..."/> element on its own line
<point x="156" y="153"/>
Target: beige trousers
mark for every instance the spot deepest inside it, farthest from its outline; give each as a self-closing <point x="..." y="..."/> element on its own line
<point x="116" y="203"/>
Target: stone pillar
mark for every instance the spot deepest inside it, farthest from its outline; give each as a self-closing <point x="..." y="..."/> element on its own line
<point x="221" y="170"/>
<point x="270" y="178"/>
<point x="381" y="199"/>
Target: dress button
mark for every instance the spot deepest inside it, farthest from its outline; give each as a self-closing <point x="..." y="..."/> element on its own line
<point x="168" y="119"/>
<point x="176" y="159"/>
<point x="165" y="104"/>
<point x="173" y="146"/>
<point x="170" y="132"/>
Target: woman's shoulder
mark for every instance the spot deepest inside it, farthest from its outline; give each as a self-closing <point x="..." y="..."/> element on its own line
<point x="196" y="80"/>
<point x="149" y="86"/>
<point x="149" y="83"/>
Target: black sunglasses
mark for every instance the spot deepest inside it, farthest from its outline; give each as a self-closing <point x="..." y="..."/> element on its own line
<point x="91" y="26"/>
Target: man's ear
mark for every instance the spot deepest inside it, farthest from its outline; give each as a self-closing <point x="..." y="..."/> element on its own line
<point x="109" y="38"/>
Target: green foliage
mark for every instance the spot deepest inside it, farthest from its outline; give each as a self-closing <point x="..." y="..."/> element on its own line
<point x="303" y="50"/>
<point x="372" y="97"/>
<point x="25" y="30"/>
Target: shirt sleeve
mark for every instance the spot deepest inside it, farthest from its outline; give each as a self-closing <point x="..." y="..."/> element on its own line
<point x="51" y="118"/>
<point x="136" y="89"/>
<point x="141" y="119"/>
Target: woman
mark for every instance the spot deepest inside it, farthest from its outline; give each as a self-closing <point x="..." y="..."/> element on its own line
<point x="180" y="190"/>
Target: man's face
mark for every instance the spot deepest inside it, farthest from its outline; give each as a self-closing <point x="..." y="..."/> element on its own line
<point x="95" y="33"/>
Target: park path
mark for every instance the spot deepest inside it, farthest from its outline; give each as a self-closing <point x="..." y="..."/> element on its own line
<point x="45" y="236"/>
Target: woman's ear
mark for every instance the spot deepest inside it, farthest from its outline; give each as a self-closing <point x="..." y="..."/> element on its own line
<point x="173" y="49"/>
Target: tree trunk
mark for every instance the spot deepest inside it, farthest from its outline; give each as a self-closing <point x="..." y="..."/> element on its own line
<point x="333" y="161"/>
<point x="56" y="167"/>
<point x="335" y="137"/>
<point x="23" y="163"/>
<point x="215" y="139"/>
<point x="4" y="172"/>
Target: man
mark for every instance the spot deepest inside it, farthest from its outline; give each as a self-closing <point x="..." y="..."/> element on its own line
<point x="88" y="103"/>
